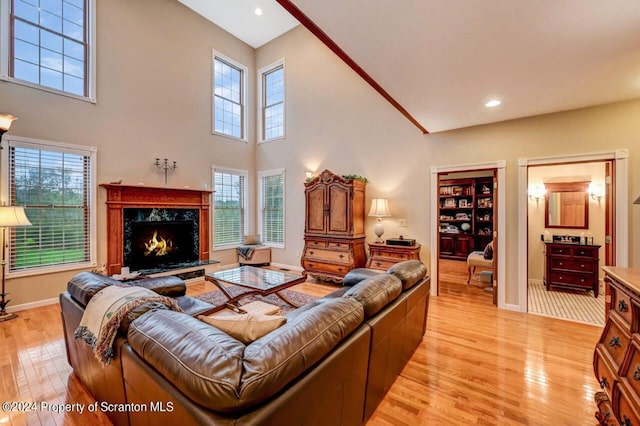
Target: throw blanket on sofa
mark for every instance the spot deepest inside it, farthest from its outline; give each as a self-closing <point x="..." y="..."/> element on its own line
<point x="105" y="311"/>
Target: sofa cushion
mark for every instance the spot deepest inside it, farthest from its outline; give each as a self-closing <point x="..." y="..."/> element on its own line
<point x="354" y="276"/>
<point x="375" y="293"/>
<point x="169" y="286"/>
<point x="410" y="272"/>
<point x="221" y="373"/>
<point x="245" y="327"/>
<point x="84" y="285"/>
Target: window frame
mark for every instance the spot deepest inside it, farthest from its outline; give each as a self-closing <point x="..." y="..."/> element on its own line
<point x="245" y="210"/>
<point x="261" y="176"/>
<point x="244" y="70"/>
<point x="261" y="104"/>
<point x="6" y="36"/>
<point x="45" y="145"/>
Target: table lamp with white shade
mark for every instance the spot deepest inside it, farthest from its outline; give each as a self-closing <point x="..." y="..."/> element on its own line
<point x="379" y="209"/>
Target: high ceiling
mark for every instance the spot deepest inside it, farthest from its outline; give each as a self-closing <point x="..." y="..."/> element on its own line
<point x="443" y="60"/>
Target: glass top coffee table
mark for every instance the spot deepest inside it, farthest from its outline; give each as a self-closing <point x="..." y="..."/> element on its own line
<point x="258" y="281"/>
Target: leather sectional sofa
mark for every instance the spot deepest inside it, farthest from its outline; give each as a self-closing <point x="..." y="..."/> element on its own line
<point x="331" y="363"/>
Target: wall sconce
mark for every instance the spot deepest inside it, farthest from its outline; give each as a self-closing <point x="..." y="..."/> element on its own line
<point x="379" y="209"/>
<point x="536" y="192"/>
<point x="596" y="190"/>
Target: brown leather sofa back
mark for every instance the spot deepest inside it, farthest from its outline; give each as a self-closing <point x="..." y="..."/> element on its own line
<point x="220" y="373"/>
<point x="375" y="293"/>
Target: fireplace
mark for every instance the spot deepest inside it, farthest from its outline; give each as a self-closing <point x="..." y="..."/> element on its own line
<point x="178" y="217"/>
<point x="160" y="238"/>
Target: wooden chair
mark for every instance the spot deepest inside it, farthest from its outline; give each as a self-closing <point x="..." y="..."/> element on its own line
<point x="476" y="258"/>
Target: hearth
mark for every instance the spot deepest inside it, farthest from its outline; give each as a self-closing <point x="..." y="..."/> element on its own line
<point x="160" y="238"/>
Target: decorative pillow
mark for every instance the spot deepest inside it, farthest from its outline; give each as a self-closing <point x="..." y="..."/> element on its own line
<point x="245" y="327"/>
<point x="250" y="240"/>
<point x="488" y="251"/>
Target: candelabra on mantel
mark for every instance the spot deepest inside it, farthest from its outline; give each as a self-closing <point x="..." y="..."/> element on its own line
<point x="166" y="167"/>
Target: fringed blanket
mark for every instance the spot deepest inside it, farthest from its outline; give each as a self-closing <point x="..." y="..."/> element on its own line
<point x="246" y="252"/>
<point x="105" y="311"/>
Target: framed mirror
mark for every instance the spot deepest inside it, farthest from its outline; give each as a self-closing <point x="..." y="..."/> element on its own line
<point x="566" y="205"/>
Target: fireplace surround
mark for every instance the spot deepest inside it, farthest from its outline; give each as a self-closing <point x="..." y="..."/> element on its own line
<point x="134" y="213"/>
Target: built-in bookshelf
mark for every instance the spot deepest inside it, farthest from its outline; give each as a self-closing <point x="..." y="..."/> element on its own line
<point x="465" y="216"/>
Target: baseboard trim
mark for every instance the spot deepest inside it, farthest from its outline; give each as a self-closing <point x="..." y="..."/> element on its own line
<point x="285" y="266"/>
<point x="510" y="307"/>
<point x="32" y="305"/>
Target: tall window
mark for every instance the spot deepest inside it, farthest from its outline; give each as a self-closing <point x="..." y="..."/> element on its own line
<point x="272" y="101"/>
<point x="49" y="44"/>
<point x="228" y="97"/>
<point x="54" y="184"/>
<point x="229" y="206"/>
<point x="272" y="207"/>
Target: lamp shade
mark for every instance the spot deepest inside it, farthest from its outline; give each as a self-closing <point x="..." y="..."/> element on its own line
<point x="13" y="216"/>
<point x="379" y="208"/>
<point x="5" y="121"/>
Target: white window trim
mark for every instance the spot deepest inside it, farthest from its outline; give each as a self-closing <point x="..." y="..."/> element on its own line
<point x="260" y="101"/>
<point x="5" y="44"/>
<point x="212" y="237"/>
<point x="245" y="71"/>
<point x="88" y="151"/>
<point x="266" y="173"/>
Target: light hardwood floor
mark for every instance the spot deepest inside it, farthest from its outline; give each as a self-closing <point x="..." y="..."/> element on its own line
<point x="476" y="365"/>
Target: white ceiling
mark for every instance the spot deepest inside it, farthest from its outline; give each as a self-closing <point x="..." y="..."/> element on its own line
<point x="442" y="60"/>
<point x="238" y="18"/>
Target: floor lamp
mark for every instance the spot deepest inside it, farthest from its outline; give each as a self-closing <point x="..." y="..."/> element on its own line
<point x="10" y="216"/>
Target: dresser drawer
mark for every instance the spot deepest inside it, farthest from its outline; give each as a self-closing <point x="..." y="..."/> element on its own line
<point x="560" y="251"/>
<point x="334" y="256"/>
<point x="632" y="368"/>
<point x="604" y="372"/>
<point x="623" y="406"/>
<point x="574" y="279"/>
<point x="591" y="252"/>
<point x="312" y="266"/>
<point x="382" y="264"/>
<point x="338" y="245"/>
<point x="623" y="306"/>
<point x="615" y="340"/>
<point x="316" y="243"/>
<point x="584" y="265"/>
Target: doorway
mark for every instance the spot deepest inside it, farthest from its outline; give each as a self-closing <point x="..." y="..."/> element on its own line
<point x="568" y="206"/>
<point x="463" y="209"/>
<point x="617" y="218"/>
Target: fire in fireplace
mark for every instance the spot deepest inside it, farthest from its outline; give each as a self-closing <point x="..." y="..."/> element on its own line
<point x="159" y="238"/>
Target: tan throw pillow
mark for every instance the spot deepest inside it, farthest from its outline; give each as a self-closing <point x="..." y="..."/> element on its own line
<point x="251" y="240"/>
<point x="245" y="327"/>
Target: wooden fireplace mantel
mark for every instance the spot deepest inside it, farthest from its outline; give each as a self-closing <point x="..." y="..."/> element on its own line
<point x="121" y="197"/>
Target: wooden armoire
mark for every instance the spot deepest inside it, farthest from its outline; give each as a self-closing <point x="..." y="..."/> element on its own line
<point x="334" y="226"/>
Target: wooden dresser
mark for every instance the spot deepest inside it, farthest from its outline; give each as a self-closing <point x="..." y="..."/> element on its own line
<point x="381" y="256"/>
<point x="572" y="266"/>
<point x="334" y="226"/>
<point x="616" y="360"/>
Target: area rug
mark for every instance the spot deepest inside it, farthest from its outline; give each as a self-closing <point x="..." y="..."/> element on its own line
<point x="217" y="298"/>
<point x="578" y="306"/>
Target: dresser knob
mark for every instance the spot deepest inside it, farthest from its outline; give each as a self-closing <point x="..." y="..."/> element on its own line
<point x="636" y="374"/>
<point x="340" y="269"/>
<point x="582" y="266"/>
<point x="311" y="252"/>
<point x="560" y="263"/>
<point x="615" y="341"/>
<point x="582" y="280"/>
<point x="622" y="307"/>
<point x="604" y="383"/>
<point x="341" y="256"/>
<point x="625" y="421"/>
<point x="378" y="263"/>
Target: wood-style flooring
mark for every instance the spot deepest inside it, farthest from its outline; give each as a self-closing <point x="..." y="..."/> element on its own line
<point x="476" y="365"/>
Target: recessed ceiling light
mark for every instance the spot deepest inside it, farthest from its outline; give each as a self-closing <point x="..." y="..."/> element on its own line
<point x="492" y="103"/>
<point x="258" y="11"/>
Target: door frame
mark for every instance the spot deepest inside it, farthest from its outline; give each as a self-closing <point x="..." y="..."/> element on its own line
<point x="621" y="201"/>
<point x="500" y="167"/>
